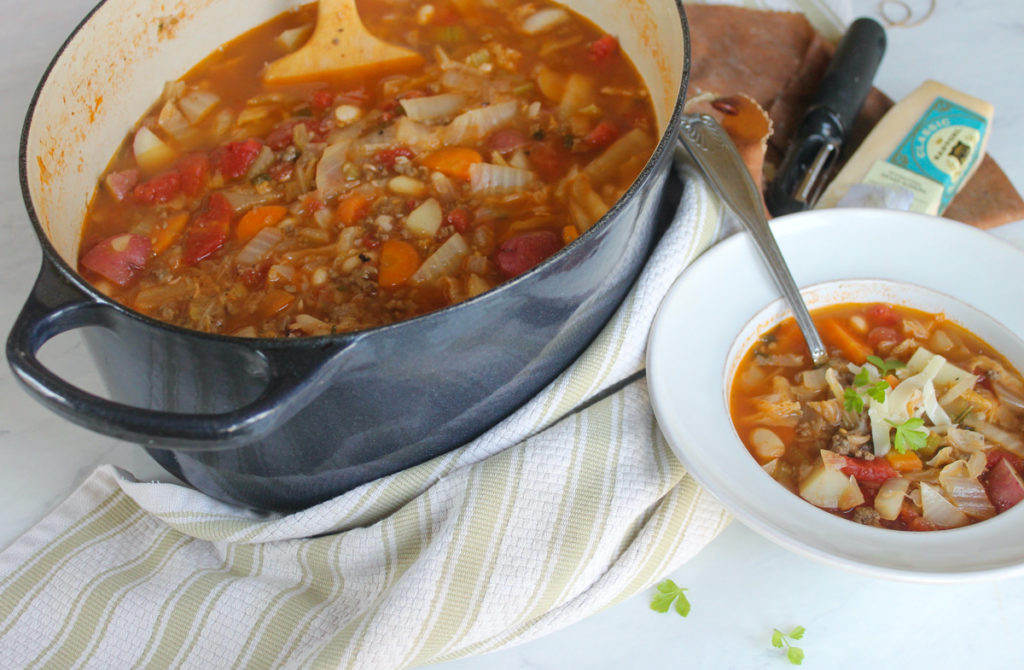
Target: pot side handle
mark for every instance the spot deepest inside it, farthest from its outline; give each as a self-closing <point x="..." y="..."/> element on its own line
<point x="55" y="306"/>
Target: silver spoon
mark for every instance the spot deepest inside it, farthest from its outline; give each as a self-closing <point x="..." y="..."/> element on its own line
<point x="716" y="155"/>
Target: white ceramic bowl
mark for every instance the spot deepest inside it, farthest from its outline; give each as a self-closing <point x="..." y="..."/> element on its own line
<point x="722" y="303"/>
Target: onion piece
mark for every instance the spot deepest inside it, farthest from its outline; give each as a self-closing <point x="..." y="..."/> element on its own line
<point x="172" y="121"/>
<point x="889" y="498"/>
<point x="444" y="187"/>
<point x="489" y="179"/>
<point x="197" y="103"/>
<point x="965" y="491"/>
<point x="416" y="136"/>
<point x="444" y="261"/>
<point x="851" y="496"/>
<point x="258" y="247"/>
<point x="812" y="379"/>
<point x="966" y="440"/>
<point x="940" y="511"/>
<point x="544" y="20"/>
<point x="1008" y="395"/>
<point x="247" y="197"/>
<point x="264" y="160"/>
<point x="330" y="172"/>
<point x="477" y="124"/>
<point x="432" y="107"/>
<point x="996" y="434"/>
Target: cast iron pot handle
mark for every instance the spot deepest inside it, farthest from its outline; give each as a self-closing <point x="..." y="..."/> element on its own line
<point x="55" y="306"/>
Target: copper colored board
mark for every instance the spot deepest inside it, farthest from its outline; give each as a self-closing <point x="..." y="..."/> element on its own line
<point x="777" y="58"/>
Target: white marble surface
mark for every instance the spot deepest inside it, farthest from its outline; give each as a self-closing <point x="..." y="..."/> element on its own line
<point x="741" y="586"/>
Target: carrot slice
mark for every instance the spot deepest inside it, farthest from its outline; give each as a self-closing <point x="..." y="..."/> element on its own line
<point x="163" y="237"/>
<point x="258" y="218"/>
<point x="836" y="335"/>
<point x="906" y="462"/>
<point x="788" y="337"/>
<point x="398" y="261"/>
<point x="569" y="233"/>
<point x="452" y="161"/>
<point x="351" y="208"/>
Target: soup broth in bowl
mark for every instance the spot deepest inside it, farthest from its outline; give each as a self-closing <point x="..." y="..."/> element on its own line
<point x="914" y="423"/>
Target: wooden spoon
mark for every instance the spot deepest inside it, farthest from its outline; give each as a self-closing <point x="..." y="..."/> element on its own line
<point x="340" y="48"/>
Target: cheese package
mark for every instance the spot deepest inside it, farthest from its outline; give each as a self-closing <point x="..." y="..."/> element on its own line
<point x="929" y="145"/>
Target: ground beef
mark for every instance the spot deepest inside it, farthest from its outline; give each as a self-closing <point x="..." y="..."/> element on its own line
<point x="853" y="444"/>
<point x="866" y="515"/>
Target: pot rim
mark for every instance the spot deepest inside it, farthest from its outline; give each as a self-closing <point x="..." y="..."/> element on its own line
<point x="666" y="143"/>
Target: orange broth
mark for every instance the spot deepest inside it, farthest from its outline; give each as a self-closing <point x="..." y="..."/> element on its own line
<point x="821" y="444"/>
<point x="325" y="207"/>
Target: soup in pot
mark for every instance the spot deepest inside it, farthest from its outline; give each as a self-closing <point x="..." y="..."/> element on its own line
<point x="241" y="208"/>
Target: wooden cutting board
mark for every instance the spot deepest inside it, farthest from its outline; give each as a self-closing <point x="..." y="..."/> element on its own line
<point x="777" y="58"/>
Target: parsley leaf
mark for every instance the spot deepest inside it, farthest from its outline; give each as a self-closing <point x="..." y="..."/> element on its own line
<point x="877" y="390"/>
<point x="909" y="434"/>
<point x="794" y="655"/>
<point x="852" y="401"/>
<point x="667" y="593"/>
<point x="862" y="378"/>
<point x="885" y="367"/>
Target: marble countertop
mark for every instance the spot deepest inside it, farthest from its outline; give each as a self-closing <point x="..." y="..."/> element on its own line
<point x="742" y="586"/>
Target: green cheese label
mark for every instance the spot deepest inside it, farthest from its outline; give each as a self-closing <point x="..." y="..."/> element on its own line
<point x="942" y="147"/>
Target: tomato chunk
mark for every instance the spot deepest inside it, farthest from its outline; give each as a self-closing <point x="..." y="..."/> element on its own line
<point x="209" y="230"/>
<point x="387" y="157"/>
<point x="119" y="258"/>
<point x="322" y="99"/>
<point x="603" y="48"/>
<point x="160" y="188"/>
<point x="549" y="162"/>
<point x="883" y="315"/>
<point x="459" y="219"/>
<point x="877" y="470"/>
<point x="235" y="158"/>
<point x="518" y="254"/>
<point x="880" y="334"/>
<point x="602" y="135"/>
<point x="193" y="169"/>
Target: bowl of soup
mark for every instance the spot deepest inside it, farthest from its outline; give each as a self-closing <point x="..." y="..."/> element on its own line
<point x="901" y="455"/>
<point x="295" y="289"/>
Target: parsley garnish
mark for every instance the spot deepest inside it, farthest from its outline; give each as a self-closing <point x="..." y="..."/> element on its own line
<point x="795" y="655"/>
<point x="667" y="593"/>
<point x="909" y="435"/>
<point x="853" y="400"/>
<point x="885" y="367"/>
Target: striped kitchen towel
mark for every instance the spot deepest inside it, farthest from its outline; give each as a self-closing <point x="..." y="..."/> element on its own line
<point x="572" y="504"/>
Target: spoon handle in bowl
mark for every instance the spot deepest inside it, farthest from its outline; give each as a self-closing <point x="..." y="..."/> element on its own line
<point x="714" y="152"/>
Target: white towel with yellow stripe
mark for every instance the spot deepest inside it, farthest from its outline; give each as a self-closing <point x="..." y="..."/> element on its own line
<point x="571" y="504"/>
